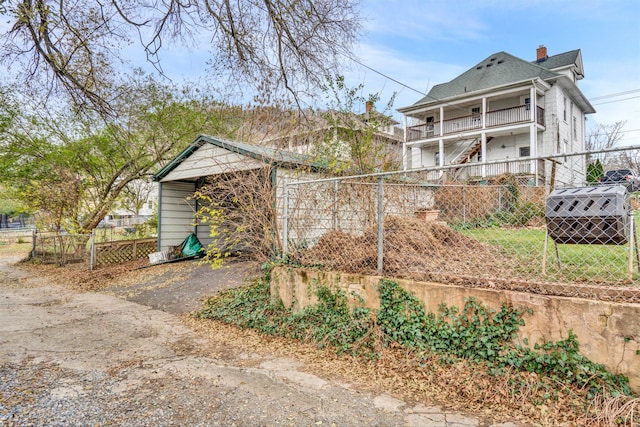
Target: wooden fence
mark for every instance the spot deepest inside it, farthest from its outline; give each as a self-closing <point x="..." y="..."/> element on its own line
<point x="121" y="251"/>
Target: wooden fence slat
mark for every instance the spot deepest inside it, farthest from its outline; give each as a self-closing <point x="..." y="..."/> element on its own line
<point x="123" y="250"/>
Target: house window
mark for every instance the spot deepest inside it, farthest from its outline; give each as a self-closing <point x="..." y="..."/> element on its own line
<point x="437" y="158"/>
<point x="575" y="128"/>
<point x="525" y="151"/>
<point x="527" y="104"/>
<point x="564" y="109"/>
<point x="475" y="110"/>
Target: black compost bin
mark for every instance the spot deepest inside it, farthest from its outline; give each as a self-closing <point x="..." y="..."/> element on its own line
<point x="589" y="215"/>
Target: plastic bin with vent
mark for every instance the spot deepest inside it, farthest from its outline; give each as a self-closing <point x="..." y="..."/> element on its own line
<point x="589" y="215"/>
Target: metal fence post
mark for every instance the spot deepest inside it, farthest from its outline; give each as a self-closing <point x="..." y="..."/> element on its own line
<point x="285" y="221"/>
<point x="34" y="240"/>
<point x="92" y="255"/>
<point x="335" y="205"/>
<point x="380" y="225"/>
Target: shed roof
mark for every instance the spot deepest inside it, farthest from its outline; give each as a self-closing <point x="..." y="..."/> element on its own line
<point x="266" y="155"/>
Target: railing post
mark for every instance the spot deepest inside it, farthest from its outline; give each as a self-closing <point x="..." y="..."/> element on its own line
<point x="380" y="225"/>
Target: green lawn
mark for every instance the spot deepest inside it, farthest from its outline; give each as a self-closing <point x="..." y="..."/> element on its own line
<point x="578" y="263"/>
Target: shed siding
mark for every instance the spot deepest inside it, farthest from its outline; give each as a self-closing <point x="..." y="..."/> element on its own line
<point x="211" y="160"/>
<point x="176" y="213"/>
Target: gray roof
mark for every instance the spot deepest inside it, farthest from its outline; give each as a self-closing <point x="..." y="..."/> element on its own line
<point x="498" y="69"/>
<point x="561" y="60"/>
<point x="502" y="69"/>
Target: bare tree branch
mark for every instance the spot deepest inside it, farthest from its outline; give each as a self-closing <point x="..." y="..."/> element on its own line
<point x="288" y="44"/>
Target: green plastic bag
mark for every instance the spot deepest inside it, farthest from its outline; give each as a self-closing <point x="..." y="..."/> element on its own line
<point x="191" y="246"/>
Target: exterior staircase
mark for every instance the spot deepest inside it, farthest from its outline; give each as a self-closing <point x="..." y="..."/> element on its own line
<point x="473" y="149"/>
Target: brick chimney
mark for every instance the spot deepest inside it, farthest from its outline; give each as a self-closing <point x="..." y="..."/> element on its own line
<point x="368" y="106"/>
<point x="541" y="53"/>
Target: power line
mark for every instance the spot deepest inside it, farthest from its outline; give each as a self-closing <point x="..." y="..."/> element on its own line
<point x="386" y="76"/>
<point x="617" y="100"/>
<point x="613" y="95"/>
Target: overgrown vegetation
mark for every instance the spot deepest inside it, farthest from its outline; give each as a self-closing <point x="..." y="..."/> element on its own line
<point x="474" y="335"/>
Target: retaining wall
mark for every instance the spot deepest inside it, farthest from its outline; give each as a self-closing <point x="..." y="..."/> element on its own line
<point x="608" y="332"/>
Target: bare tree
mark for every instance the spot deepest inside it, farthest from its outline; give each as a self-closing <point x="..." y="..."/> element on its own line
<point x="602" y="137"/>
<point x="78" y="45"/>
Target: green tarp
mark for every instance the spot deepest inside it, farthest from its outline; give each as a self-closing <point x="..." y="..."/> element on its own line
<point x="191" y="246"/>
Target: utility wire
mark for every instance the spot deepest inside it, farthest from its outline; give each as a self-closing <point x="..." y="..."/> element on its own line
<point x="613" y="95"/>
<point x="386" y="76"/>
<point x="617" y="100"/>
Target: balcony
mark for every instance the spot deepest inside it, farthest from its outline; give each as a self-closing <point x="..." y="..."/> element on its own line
<point x="495" y="118"/>
<point x="524" y="170"/>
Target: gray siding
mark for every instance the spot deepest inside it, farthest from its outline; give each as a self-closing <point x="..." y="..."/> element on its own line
<point x="211" y="160"/>
<point x="176" y="220"/>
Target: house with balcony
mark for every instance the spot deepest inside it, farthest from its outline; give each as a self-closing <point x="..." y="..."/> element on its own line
<point x="503" y="115"/>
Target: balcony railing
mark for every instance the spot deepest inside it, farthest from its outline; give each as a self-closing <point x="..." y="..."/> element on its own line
<point x="523" y="169"/>
<point x="502" y="117"/>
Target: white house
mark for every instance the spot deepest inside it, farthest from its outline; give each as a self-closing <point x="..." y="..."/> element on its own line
<point x="503" y="109"/>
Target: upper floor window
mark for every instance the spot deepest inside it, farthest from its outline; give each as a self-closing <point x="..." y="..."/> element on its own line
<point x="575" y="128"/>
<point x="564" y="109"/>
<point x="527" y="103"/>
<point x="525" y="151"/>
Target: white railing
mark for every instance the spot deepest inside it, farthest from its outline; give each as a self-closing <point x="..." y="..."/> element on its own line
<point x="505" y="116"/>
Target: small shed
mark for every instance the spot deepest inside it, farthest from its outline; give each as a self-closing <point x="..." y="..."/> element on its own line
<point x="207" y="157"/>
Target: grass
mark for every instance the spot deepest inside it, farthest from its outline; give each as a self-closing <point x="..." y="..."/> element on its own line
<point x="578" y="263"/>
<point x="15" y="249"/>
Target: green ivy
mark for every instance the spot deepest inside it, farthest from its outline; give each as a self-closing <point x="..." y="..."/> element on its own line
<point x="476" y="333"/>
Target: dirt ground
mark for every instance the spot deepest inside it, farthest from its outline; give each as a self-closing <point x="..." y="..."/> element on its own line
<point x="128" y="355"/>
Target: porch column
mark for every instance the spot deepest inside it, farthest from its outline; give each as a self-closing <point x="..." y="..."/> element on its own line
<point x="533" y="148"/>
<point x="532" y="103"/>
<point x="483" y="150"/>
<point x="441" y="157"/>
<point x="441" y="121"/>
<point x="405" y="161"/>
<point x="484" y="115"/>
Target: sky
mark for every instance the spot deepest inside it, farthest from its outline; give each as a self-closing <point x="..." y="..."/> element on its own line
<point x="421" y="43"/>
<point x="408" y="46"/>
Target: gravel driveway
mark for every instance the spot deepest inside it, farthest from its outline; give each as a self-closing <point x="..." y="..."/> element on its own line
<point x="122" y="357"/>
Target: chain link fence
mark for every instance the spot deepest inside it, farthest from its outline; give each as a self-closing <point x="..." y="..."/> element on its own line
<point x="502" y="234"/>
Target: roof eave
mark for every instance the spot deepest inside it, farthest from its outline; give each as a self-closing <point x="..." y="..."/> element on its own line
<point x="472" y="94"/>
